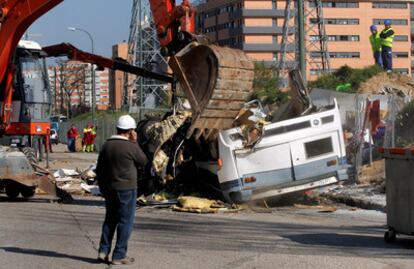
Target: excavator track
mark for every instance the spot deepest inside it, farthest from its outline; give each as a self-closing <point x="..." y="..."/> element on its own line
<point x="217" y="81"/>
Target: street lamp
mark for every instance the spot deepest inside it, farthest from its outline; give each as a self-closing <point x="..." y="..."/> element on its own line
<point x="92" y="72"/>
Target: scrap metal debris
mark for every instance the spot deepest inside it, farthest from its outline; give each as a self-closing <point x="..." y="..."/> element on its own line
<point x="77" y="182"/>
<point x="161" y="199"/>
<point x="161" y="132"/>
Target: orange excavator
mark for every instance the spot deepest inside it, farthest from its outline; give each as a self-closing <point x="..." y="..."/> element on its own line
<point x="216" y="80"/>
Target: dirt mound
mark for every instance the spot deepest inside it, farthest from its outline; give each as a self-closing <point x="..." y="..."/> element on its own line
<point x="372" y="174"/>
<point x="388" y="83"/>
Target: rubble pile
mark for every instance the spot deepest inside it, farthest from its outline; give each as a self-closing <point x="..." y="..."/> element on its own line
<point x="358" y="195"/>
<point x="373" y="175"/>
<point x="384" y="83"/>
<point x="77" y="182"/>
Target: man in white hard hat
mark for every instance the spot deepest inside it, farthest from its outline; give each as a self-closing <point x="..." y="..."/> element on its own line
<point x="117" y="174"/>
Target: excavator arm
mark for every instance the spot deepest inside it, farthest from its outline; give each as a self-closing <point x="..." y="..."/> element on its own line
<point x="73" y="53"/>
<point x="15" y="17"/>
<point x="216" y="80"/>
<point x="175" y="24"/>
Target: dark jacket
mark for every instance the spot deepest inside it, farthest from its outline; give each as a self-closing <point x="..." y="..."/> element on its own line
<point x="118" y="164"/>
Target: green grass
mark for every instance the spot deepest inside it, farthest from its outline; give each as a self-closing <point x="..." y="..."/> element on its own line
<point x="344" y="75"/>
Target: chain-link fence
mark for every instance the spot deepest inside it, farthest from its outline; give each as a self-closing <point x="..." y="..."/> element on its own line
<point x="105" y="127"/>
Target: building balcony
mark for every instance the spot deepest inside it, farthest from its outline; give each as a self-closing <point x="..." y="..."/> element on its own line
<point x="267" y="47"/>
<point x="257" y="13"/>
<point x="258" y="30"/>
<point x="289" y="64"/>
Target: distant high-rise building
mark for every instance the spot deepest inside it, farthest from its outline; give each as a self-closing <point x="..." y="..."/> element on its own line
<point x="102" y="89"/>
<point x="117" y="78"/>
<point x="256" y="26"/>
<point x="71" y="85"/>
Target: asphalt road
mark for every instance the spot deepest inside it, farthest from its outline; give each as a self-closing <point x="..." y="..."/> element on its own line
<point x="39" y="234"/>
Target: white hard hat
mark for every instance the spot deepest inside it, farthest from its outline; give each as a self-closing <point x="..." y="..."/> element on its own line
<point x="126" y="122"/>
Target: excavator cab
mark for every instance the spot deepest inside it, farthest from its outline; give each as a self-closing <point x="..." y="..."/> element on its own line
<point x="29" y="123"/>
<point x="31" y="99"/>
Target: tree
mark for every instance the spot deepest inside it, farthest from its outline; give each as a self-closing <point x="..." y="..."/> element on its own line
<point x="265" y="85"/>
<point x="71" y="80"/>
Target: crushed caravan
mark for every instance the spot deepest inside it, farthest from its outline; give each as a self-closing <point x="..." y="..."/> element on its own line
<point x="292" y="155"/>
<point x="303" y="148"/>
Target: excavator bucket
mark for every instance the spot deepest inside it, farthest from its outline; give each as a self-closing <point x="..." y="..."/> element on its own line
<point x="216" y="80"/>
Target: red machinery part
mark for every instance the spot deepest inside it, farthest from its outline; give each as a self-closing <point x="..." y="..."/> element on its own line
<point x="166" y="14"/>
<point x="16" y="16"/>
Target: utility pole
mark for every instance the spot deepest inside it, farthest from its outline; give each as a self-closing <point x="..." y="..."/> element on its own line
<point x="301" y="37"/>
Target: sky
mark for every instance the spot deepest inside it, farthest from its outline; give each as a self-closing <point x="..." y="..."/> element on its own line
<point x="106" y="20"/>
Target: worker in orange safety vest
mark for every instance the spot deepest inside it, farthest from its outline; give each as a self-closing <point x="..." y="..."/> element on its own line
<point x="89" y="135"/>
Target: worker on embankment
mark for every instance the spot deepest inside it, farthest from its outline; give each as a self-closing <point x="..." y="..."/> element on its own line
<point x="387" y="38"/>
<point x="117" y="174"/>
<point x="375" y="41"/>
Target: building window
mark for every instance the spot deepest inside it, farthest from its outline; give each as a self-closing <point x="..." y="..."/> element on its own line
<point x="336" y="4"/>
<point x="353" y="38"/>
<point x="210" y="13"/>
<point x="389" y="5"/>
<point x="393" y="21"/>
<point x="210" y="29"/>
<point x="316" y="54"/>
<point x="400" y="54"/>
<point x="336" y="21"/>
<point x="317" y="72"/>
<point x="401" y="38"/>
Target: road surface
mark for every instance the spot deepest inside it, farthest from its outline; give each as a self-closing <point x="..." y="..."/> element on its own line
<point x="39" y="234"/>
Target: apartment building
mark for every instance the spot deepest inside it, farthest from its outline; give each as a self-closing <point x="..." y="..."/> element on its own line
<point x="102" y="89"/>
<point x="116" y="78"/>
<point x="347" y="27"/>
<point x="71" y="87"/>
<point x="256" y="27"/>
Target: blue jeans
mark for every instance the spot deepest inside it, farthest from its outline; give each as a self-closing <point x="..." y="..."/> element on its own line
<point x="120" y="215"/>
<point x="387" y="58"/>
<point x="378" y="58"/>
<point x="71" y="144"/>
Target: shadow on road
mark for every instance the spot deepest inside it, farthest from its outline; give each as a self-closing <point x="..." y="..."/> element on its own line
<point x="346" y="240"/>
<point x="51" y="200"/>
<point x="194" y="232"/>
<point x="47" y="253"/>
